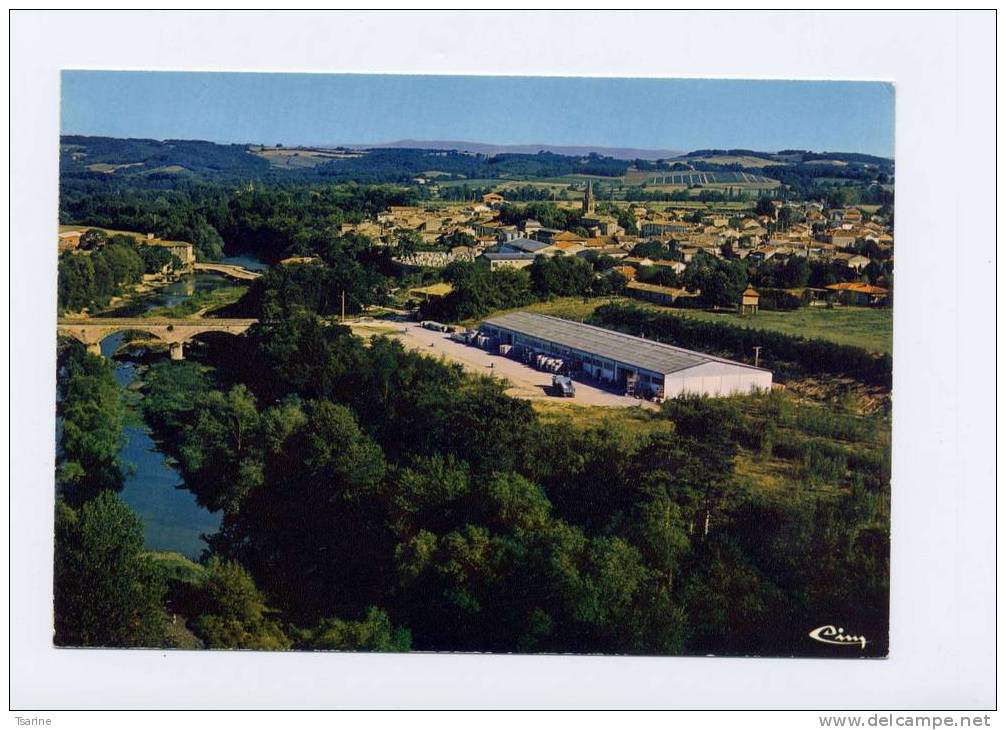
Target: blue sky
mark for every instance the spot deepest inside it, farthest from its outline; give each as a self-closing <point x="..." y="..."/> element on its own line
<point x="681" y="114"/>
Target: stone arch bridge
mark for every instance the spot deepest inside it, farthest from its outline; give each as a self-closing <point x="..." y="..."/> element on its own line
<point x="232" y="270"/>
<point x="175" y="332"/>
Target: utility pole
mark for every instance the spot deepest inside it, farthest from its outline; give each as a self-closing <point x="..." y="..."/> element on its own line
<point x="757" y="349"/>
<point x="344" y="313"/>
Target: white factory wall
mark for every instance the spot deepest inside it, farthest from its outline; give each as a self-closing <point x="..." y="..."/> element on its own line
<point x="716" y="378"/>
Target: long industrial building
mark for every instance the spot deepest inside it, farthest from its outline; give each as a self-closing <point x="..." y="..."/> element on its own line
<point x="642" y="367"/>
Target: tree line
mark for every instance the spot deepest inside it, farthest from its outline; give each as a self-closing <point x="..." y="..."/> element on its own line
<point x="479" y="290"/>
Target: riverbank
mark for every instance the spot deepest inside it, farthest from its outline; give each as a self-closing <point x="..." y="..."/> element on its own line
<point x="154" y="487"/>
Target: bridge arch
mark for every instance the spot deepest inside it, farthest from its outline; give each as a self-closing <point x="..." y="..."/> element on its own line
<point x="174" y="332"/>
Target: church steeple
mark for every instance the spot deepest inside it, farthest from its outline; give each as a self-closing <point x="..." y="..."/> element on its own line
<point x="588" y="198"/>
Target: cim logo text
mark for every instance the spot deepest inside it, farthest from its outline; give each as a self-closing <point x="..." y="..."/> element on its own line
<point x="831" y="635"/>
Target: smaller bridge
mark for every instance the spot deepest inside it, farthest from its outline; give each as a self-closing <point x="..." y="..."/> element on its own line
<point x="232" y="270"/>
<point x="174" y="332"/>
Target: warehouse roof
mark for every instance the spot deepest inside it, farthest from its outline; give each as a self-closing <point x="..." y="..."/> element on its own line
<point x="646" y="354"/>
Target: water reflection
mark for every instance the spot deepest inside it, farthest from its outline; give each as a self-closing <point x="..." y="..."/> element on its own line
<point x="154" y="489"/>
<point x="171" y="295"/>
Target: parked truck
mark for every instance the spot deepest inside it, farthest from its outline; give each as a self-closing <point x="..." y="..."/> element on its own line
<point x="562" y="386"/>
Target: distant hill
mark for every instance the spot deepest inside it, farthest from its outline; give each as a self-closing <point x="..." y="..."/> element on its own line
<point x="110" y="157"/>
<point x="155" y="163"/>
<point x="108" y="162"/>
<point x="789" y="157"/>
<point x="621" y="153"/>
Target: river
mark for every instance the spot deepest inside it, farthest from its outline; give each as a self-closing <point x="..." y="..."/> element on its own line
<point x="154" y="488"/>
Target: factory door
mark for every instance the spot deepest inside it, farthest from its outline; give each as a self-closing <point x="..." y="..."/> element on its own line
<point x="626" y="379"/>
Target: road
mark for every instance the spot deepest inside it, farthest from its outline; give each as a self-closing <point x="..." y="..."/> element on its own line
<point x="525" y="381"/>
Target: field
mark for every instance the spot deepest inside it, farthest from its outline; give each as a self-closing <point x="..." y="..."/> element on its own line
<point x="661" y="182"/>
<point x="566" y="307"/>
<point x="781" y="465"/>
<point x="109" y="168"/>
<point x="636" y="421"/>
<point x="709" y="178"/>
<point x="301" y="157"/>
<point x="868" y="328"/>
<point x="743" y="160"/>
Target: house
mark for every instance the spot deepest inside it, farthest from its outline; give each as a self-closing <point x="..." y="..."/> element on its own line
<point x="430" y="225"/>
<point x="367" y="228"/>
<point x="626" y="240"/>
<point x="544" y="234"/>
<point x="762" y="253"/>
<point x="853" y="260"/>
<point x="665" y="295"/>
<point x="663" y="228"/>
<point x="857" y="293"/>
<point x="637" y="261"/>
<point x="493" y="200"/>
<point x="498" y="231"/>
<point x="566" y="237"/>
<point x="841" y="237"/>
<point x="852" y="215"/>
<point x="565" y="248"/>
<point x="530" y="226"/>
<point x="522" y="245"/>
<point x="629" y="272"/>
<point x="677" y="267"/>
<point x="180" y="249"/>
<point x="498" y="260"/>
<point x="601" y="225"/>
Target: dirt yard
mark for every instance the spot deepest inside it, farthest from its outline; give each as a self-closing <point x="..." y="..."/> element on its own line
<point x="525" y="381"/>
